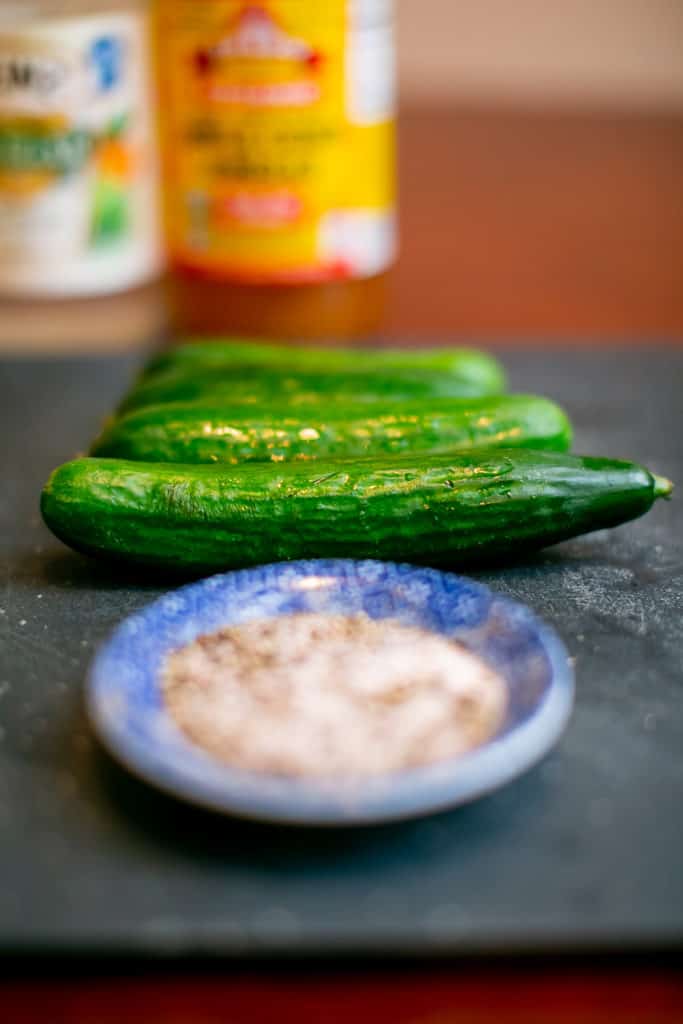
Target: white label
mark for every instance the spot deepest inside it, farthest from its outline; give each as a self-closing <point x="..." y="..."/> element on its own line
<point x="364" y="241"/>
<point x="370" y="56"/>
<point x="78" y="182"/>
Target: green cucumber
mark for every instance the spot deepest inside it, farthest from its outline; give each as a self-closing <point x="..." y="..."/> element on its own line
<point x="439" y="509"/>
<point x="256" y="385"/>
<point x="469" y="365"/>
<point x="194" y="432"/>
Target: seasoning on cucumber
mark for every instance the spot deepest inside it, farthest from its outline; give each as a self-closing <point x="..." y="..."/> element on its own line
<point x="469" y="365"/>
<point x="439" y="509"/>
<point x="264" y="386"/>
<point x="194" y="432"/>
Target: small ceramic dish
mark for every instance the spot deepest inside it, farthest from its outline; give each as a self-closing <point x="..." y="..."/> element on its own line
<point x="127" y="712"/>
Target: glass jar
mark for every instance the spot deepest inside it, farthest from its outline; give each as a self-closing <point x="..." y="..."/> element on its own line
<point x="277" y="123"/>
<point x="78" y="165"/>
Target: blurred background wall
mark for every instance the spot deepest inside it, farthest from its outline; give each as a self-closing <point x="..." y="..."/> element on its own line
<point x="613" y="54"/>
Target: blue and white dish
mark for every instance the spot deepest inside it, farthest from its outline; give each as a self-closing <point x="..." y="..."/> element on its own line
<point x="126" y="708"/>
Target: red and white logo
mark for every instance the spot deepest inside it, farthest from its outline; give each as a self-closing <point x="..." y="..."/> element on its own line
<point x="255" y="37"/>
<point x="258" y="37"/>
<point x="262" y="209"/>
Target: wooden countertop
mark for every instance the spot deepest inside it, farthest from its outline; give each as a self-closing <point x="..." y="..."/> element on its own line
<point x="541" y="225"/>
<point x="515" y="225"/>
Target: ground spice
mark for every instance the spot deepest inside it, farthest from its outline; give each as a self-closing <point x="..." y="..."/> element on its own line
<point x="322" y="695"/>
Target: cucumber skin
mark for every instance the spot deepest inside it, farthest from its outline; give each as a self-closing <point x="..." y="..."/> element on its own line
<point x="440" y="510"/>
<point x="265" y="386"/>
<point x="469" y="364"/>
<point x="195" y="432"/>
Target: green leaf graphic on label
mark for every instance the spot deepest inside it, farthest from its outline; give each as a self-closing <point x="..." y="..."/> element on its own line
<point x="117" y="126"/>
<point x="111" y="212"/>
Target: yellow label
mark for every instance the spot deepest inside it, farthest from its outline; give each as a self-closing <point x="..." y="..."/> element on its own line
<point x="278" y="126"/>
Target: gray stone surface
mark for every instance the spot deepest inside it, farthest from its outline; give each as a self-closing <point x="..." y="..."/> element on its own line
<point x="583" y="852"/>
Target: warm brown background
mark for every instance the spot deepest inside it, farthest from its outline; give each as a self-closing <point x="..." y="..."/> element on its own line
<point x="517" y="225"/>
<point x="541" y="225"/>
<point x="541" y="182"/>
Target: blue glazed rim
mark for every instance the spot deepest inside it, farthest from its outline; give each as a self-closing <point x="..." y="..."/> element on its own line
<point x="125" y="707"/>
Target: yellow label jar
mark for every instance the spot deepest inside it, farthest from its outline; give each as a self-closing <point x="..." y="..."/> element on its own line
<point x="278" y="130"/>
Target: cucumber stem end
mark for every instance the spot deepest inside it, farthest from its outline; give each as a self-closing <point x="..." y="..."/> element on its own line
<point x="663" y="487"/>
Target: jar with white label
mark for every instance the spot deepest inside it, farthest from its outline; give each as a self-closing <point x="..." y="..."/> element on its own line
<point x="78" y="171"/>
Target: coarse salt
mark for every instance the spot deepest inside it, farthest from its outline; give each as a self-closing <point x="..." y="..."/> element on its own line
<point x="331" y="695"/>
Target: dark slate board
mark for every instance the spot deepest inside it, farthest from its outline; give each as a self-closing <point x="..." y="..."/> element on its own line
<point x="584" y="852"/>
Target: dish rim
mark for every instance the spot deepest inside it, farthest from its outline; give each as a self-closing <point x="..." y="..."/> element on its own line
<point x="198" y="778"/>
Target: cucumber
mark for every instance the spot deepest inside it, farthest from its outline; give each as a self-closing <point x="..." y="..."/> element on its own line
<point x="469" y="365"/>
<point x="195" y="432"/>
<point x="438" y="509"/>
<point x="256" y="385"/>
